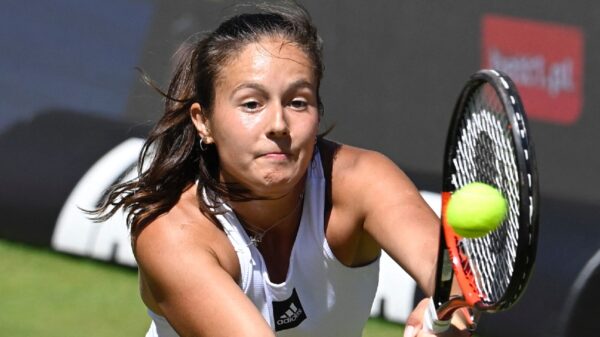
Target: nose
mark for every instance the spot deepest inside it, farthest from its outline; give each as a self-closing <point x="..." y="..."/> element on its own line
<point x="278" y="123"/>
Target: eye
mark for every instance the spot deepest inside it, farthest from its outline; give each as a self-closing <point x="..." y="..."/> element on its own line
<point x="251" y="106"/>
<point x="298" y="104"/>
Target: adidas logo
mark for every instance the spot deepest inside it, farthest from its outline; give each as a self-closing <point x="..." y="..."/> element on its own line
<point x="289" y="313"/>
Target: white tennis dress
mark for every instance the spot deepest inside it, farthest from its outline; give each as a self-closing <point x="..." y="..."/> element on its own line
<point x="320" y="296"/>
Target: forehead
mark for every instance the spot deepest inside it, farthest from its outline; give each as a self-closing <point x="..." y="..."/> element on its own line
<point x="266" y="57"/>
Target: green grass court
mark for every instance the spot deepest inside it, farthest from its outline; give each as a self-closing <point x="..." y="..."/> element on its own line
<point x="43" y="293"/>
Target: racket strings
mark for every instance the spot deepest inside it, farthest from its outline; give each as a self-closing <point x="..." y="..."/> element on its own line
<point x="485" y="154"/>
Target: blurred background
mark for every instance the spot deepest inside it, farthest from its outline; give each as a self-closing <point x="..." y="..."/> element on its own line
<point x="73" y="113"/>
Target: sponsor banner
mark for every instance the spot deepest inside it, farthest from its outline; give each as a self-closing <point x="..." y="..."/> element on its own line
<point x="75" y="233"/>
<point x="545" y="60"/>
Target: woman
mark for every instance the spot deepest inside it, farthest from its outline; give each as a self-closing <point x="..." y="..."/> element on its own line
<point x="246" y="222"/>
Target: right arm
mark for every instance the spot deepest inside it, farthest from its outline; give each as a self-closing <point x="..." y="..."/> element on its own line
<point x="183" y="268"/>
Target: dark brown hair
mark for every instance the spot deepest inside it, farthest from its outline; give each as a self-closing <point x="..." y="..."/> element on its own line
<point x="171" y="158"/>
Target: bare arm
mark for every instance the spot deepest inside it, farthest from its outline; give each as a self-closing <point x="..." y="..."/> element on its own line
<point x="397" y="217"/>
<point x="401" y="222"/>
<point x="185" y="274"/>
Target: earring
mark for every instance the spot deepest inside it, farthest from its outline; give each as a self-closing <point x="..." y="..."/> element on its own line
<point x="201" y="144"/>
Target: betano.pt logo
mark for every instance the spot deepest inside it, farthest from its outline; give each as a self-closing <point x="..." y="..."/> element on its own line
<point x="544" y="60"/>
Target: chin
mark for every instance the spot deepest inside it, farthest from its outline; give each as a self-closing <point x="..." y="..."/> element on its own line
<point x="279" y="184"/>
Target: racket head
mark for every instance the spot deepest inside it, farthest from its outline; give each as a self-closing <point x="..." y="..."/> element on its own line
<point x="489" y="141"/>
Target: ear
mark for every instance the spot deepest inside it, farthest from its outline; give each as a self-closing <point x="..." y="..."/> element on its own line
<point x="201" y="123"/>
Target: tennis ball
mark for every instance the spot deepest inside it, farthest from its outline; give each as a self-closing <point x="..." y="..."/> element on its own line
<point x="475" y="209"/>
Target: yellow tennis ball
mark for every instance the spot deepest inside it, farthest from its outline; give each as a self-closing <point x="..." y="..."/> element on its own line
<point x="475" y="210"/>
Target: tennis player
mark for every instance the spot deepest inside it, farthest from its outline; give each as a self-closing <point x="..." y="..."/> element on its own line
<point x="246" y="221"/>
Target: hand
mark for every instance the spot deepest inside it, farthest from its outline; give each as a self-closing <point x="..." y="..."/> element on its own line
<point x="414" y="324"/>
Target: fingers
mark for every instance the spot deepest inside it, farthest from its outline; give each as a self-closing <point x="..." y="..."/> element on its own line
<point x="414" y="322"/>
<point x="418" y="324"/>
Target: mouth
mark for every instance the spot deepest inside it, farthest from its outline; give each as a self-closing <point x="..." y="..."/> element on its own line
<point x="276" y="155"/>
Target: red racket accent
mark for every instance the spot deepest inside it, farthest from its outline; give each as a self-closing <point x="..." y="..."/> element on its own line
<point x="460" y="264"/>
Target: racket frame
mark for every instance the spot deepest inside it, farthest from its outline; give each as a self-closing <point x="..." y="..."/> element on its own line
<point x="449" y="264"/>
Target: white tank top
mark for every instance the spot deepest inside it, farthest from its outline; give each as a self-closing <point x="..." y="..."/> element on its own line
<point x="320" y="297"/>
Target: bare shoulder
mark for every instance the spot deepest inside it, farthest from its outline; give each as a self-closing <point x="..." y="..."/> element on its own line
<point x="176" y="243"/>
<point x="355" y="171"/>
<point x="370" y="191"/>
<point x="189" y="274"/>
<point x="182" y="230"/>
<point x="355" y="160"/>
<point x="362" y="186"/>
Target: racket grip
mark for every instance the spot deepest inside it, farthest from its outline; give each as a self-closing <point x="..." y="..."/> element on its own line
<point x="431" y="323"/>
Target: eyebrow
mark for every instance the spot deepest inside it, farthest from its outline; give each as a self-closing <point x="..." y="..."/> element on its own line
<point x="301" y="83"/>
<point x="298" y="84"/>
<point x="248" y="85"/>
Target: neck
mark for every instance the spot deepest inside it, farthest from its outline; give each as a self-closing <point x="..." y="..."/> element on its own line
<point x="278" y="217"/>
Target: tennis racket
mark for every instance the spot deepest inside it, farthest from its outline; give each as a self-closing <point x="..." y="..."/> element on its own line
<point x="488" y="141"/>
